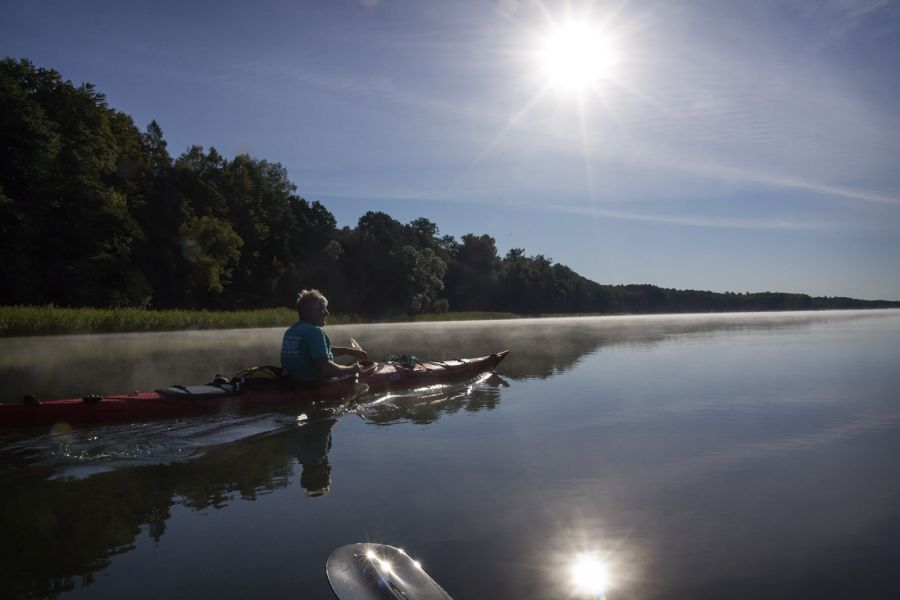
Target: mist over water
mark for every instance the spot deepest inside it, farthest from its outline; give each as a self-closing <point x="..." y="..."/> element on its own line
<point x="73" y="365"/>
<point x="706" y="455"/>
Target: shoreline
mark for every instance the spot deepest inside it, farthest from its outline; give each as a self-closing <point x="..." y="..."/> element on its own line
<point x="35" y="321"/>
<point x="38" y="321"/>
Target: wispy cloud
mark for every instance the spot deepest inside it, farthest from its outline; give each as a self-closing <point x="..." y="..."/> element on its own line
<point x="423" y="195"/>
<point x="691" y="221"/>
<point x="711" y="168"/>
<point x="842" y="17"/>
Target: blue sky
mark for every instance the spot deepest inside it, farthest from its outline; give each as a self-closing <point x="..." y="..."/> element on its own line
<point x="742" y="146"/>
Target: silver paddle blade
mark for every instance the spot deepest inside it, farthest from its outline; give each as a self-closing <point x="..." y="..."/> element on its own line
<point x="379" y="572"/>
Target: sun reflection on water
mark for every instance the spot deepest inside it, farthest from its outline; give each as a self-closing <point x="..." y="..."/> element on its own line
<point x="589" y="576"/>
<point x="590" y="562"/>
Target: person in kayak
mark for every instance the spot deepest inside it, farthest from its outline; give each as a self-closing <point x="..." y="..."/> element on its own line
<point x="306" y="351"/>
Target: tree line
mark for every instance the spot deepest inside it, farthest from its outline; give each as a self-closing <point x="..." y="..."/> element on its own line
<point x="95" y="212"/>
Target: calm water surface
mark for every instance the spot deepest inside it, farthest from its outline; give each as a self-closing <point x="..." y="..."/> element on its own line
<point x="706" y="456"/>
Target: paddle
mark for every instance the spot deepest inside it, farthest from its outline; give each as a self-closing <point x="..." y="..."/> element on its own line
<point x="379" y="572"/>
<point x="356" y="346"/>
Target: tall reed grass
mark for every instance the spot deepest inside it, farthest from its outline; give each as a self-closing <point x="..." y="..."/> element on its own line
<point x="53" y="320"/>
<point x="49" y="320"/>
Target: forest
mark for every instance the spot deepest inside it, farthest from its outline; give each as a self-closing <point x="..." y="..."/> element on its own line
<point x="95" y="212"/>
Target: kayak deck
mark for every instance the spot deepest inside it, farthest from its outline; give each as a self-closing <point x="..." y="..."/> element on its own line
<point x="236" y="394"/>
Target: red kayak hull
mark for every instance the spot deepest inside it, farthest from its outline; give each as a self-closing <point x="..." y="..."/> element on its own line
<point x="141" y="406"/>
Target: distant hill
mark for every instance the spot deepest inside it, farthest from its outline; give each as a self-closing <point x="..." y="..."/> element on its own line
<point x="655" y="299"/>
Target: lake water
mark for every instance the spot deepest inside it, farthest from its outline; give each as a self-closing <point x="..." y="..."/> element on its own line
<point x="697" y="456"/>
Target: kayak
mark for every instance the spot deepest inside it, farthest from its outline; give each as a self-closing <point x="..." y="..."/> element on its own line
<point x="254" y="387"/>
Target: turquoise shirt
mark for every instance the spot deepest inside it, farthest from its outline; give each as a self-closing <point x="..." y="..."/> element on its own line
<point x="303" y="344"/>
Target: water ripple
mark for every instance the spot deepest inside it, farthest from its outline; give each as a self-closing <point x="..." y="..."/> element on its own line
<point x="77" y="453"/>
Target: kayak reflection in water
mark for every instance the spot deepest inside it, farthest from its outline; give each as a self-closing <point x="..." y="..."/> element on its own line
<point x="306" y="352"/>
<point x="310" y="444"/>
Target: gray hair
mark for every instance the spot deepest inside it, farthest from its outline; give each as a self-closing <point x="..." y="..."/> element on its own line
<point x="306" y="299"/>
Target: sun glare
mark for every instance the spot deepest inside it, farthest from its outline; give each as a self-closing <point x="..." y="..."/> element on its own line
<point x="588" y="576"/>
<point x="577" y="55"/>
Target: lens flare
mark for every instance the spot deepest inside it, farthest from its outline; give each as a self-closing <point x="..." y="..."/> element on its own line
<point x="60" y="428"/>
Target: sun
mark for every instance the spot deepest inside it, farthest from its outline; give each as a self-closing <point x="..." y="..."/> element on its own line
<point x="577" y="55"/>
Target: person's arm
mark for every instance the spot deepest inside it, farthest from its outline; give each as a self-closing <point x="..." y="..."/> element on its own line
<point x="329" y="368"/>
